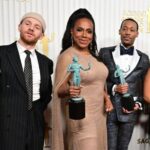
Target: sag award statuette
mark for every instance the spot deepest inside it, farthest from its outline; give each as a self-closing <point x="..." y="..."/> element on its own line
<point x="127" y="100"/>
<point x="76" y="104"/>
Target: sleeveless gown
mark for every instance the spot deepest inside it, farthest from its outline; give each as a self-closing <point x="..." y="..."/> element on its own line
<point x="89" y="133"/>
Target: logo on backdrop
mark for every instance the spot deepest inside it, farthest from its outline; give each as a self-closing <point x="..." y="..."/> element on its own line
<point x="142" y="17"/>
<point x="143" y="141"/>
<point x="21" y="0"/>
<point x="43" y="44"/>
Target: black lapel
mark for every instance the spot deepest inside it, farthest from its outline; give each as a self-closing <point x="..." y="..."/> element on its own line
<point x="42" y="70"/>
<point x="110" y="63"/>
<point x="14" y="59"/>
<point x="110" y="60"/>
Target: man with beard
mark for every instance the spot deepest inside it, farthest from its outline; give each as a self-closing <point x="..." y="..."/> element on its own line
<point x="134" y="64"/>
<point x="25" y="88"/>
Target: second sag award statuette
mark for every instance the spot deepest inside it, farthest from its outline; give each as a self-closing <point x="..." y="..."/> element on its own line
<point x="127" y="100"/>
<point x="76" y="104"/>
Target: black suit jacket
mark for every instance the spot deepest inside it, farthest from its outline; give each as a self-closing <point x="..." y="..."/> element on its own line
<point x="134" y="80"/>
<point x="13" y="97"/>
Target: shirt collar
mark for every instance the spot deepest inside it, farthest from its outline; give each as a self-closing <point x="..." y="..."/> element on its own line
<point x="21" y="49"/>
<point x="116" y="52"/>
<point x="124" y="46"/>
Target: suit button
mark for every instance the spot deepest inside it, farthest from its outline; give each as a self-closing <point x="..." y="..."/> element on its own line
<point x="8" y="86"/>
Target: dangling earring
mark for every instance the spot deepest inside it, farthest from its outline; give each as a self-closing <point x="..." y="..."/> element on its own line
<point x="91" y="46"/>
<point x="71" y="40"/>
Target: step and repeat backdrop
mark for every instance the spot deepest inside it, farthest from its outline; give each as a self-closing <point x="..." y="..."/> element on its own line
<point x="108" y="15"/>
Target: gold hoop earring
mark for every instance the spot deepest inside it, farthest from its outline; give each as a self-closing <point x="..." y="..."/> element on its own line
<point x="91" y="46"/>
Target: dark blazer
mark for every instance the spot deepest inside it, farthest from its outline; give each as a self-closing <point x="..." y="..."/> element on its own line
<point x="134" y="80"/>
<point x="13" y="98"/>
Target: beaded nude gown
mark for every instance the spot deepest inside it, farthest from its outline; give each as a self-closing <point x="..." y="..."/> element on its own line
<point x="89" y="133"/>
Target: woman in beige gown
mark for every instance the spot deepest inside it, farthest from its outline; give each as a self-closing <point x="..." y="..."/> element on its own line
<point x="88" y="133"/>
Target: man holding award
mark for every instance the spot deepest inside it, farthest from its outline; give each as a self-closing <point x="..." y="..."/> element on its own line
<point x="127" y="100"/>
<point x="127" y="68"/>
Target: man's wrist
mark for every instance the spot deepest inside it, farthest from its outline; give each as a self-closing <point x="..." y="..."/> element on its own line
<point x="140" y="105"/>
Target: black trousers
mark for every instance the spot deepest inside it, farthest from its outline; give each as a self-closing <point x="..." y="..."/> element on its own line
<point x="119" y="134"/>
<point x="35" y="128"/>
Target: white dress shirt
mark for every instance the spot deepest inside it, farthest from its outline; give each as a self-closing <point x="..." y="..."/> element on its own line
<point x="35" y="69"/>
<point x="126" y="62"/>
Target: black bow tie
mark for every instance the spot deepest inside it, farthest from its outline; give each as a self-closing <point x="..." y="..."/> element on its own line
<point x="128" y="51"/>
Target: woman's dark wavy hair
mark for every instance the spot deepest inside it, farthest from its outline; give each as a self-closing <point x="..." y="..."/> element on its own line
<point x="78" y="14"/>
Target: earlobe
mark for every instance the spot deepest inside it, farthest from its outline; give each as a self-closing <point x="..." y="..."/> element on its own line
<point x="19" y="27"/>
<point x="42" y="36"/>
<point x="71" y="32"/>
<point x="119" y="32"/>
<point x="137" y="34"/>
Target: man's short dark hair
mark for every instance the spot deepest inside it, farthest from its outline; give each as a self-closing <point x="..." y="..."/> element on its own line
<point x="130" y="19"/>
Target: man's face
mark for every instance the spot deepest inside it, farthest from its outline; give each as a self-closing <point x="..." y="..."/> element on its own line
<point x="128" y="33"/>
<point x="30" y="31"/>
